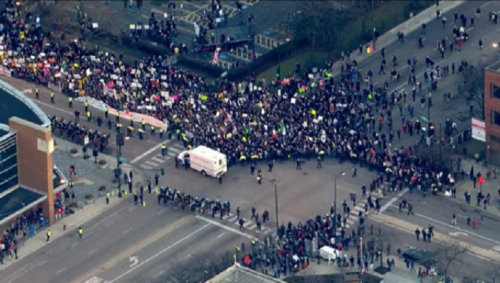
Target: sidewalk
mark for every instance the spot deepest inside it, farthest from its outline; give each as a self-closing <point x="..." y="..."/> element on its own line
<point x="86" y="210"/>
<point x="406" y="28"/>
<point x="491" y="186"/>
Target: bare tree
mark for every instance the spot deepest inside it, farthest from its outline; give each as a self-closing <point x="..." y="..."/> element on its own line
<point x="472" y="87"/>
<point x="450" y="255"/>
<point x="381" y="240"/>
<point x="320" y="23"/>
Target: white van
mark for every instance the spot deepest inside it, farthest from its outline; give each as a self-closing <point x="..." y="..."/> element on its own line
<point x="328" y="253"/>
<point x="205" y="160"/>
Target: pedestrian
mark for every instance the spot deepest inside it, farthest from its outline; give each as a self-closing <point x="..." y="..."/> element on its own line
<point x="453" y="219"/>
<point x="80" y="232"/>
<point x="48" y="235"/>
<point x="417" y="234"/>
<point x="107" y="197"/>
<point x="241" y="222"/>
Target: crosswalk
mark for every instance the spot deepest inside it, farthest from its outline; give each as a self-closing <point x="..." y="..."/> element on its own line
<point x="248" y="224"/>
<point x="496" y="248"/>
<point x="158" y="159"/>
<point x="353" y="216"/>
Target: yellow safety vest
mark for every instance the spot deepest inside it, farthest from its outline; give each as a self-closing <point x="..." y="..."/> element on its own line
<point x="88" y="113"/>
<point x="51" y="94"/>
<point x="143" y="122"/>
<point x="70" y="99"/>
<point x="86" y="103"/>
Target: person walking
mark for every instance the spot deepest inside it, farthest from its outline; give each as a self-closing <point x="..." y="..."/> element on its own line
<point x="48" y="235"/>
<point x="80" y="232"/>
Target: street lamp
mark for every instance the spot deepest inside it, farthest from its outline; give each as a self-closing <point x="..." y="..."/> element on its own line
<point x="335" y="196"/>
<point x="275" y="200"/>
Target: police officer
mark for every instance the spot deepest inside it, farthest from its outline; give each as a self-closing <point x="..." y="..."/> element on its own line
<point x="86" y="104"/>
<point x="80" y="232"/>
<point x="107" y="197"/>
<point x="106" y="111"/>
<point x="37" y="94"/>
<point x="89" y="116"/>
<point x="143" y="124"/>
<point x="152" y="130"/>
<point x="48" y="235"/>
<point x="163" y="148"/>
<point x="157" y="178"/>
<point x="52" y="98"/>
<point x="117" y="117"/>
<point x="70" y="102"/>
<point x="131" y="120"/>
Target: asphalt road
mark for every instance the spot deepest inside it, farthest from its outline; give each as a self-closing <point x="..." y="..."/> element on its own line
<point x="464" y="265"/>
<point x="456" y="109"/>
<point x="429" y="210"/>
<point x="128" y="243"/>
<point x="110" y="243"/>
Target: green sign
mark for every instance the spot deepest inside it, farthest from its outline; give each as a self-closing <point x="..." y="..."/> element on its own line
<point x="122" y="160"/>
<point x="424" y="119"/>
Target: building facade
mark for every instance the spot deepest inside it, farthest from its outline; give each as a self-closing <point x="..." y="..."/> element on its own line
<point x="492" y="112"/>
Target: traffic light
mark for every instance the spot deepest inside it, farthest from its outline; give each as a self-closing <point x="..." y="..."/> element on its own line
<point x="278" y="72"/>
<point x="162" y="171"/>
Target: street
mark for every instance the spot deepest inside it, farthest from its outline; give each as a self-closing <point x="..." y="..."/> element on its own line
<point x="133" y="242"/>
<point x="153" y="236"/>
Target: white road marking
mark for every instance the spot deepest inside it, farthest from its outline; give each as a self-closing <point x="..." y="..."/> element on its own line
<point x="132" y="208"/>
<point x="190" y="254"/>
<point x="151" y="163"/>
<point x="485" y="4"/>
<point x="232" y="218"/>
<point x="53" y="107"/>
<point x="75" y="244"/>
<point x="161" y="211"/>
<point x="158" y="160"/>
<point x="143" y="166"/>
<point x="458" y="229"/>
<point x="148" y="152"/>
<point x="42" y="263"/>
<point x="225" y="227"/>
<point x="61" y="270"/>
<point x="393" y="200"/>
<point x="469" y="29"/>
<point x="221" y="234"/>
<point x="158" y="254"/>
<point x="127" y="231"/>
<point x="93" y="251"/>
<point x="172" y="154"/>
<point x="159" y="273"/>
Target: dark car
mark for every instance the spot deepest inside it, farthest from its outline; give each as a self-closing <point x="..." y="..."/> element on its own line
<point x="421" y="257"/>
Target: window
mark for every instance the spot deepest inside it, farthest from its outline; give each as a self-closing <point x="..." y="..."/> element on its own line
<point x="495" y="139"/>
<point x="268" y="41"/>
<point x="257" y="39"/>
<point x="495" y="117"/>
<point x="495" y="91"/>
<point x="8" y="178"/>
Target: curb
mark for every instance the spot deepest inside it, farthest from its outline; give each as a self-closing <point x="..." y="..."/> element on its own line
<point x="440" y="238"/>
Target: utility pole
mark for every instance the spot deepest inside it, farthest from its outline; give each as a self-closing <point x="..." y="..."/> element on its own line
<point x="335" y="198"/>
<point x="120" y="141"/>
<point x="440" y="145"/>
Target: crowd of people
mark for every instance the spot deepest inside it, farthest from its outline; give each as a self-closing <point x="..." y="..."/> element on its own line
<point x="302" y="115"/>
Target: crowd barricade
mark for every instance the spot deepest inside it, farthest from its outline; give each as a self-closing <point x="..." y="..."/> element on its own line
<point x="137" y="117"/>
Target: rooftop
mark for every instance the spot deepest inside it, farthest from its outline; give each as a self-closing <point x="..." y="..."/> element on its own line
<point x="240" y="274"/>
<point x="14" y="103"/>
<point x="17" y="200"/>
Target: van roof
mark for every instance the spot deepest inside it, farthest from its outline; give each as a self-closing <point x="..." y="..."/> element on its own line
<point x="206" y="151"/>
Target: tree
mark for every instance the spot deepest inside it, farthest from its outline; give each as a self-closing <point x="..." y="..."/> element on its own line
<point x="381" y="240"/>
<point x="200" y="268"/>
<point x="319" y="23"/>
<point x="472" y="87"/>
<point x="450" y="255"/>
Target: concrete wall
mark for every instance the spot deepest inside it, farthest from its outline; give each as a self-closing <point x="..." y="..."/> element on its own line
<point x="34" y="148"/>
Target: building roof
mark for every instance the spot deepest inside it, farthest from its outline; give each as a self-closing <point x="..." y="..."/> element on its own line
<point x="240" y="274"/>
<point x="14" y="103"/>
<point x="4" y="129"/>
<point x="17" y="200"/>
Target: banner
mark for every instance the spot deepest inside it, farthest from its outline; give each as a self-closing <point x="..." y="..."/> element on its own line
<point x="108" y="90"/>
<point x="478" y="130"/>
<point x="54" y="87"/>
<point x="99" y="105"/>
<point x="5" y="72"/>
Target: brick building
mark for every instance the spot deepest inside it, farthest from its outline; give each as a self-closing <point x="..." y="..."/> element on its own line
<point x="28" y="178"/>
<point x="492" y="112"/>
